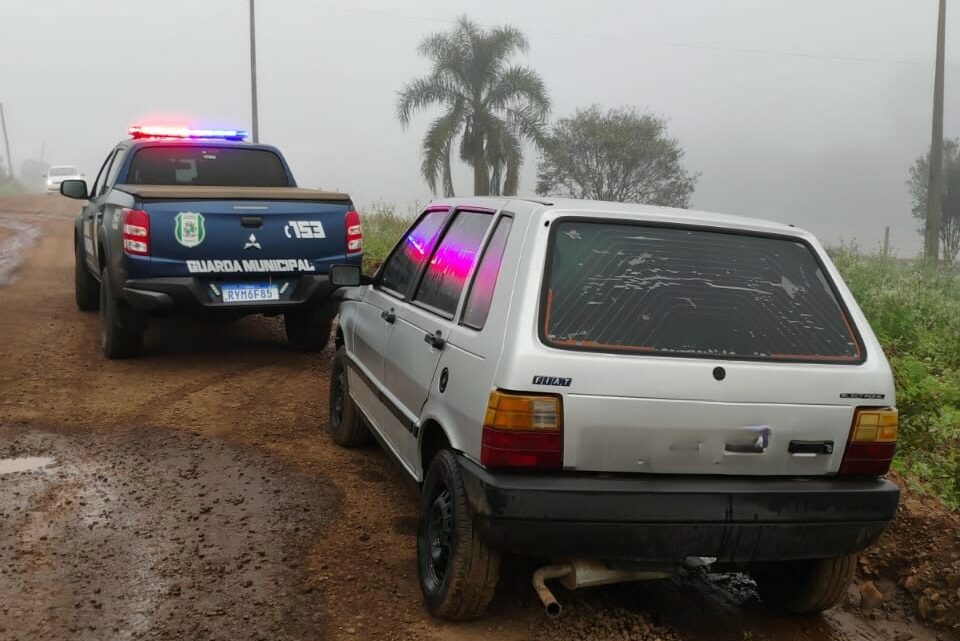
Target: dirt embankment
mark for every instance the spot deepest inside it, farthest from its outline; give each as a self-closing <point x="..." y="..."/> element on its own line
<point x="918" y="559"/>
<point x="176" y="470"/>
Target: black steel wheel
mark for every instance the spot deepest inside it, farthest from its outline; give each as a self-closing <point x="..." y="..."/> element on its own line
<point x="345" y="424"/>
<point x="121" y="329"/>
<point x="458" y="570"/>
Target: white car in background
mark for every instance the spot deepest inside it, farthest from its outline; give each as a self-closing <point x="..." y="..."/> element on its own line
<point x="58" y="173"/>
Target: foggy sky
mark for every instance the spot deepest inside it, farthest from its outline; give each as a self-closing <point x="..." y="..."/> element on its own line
<point x="803" y="111"/>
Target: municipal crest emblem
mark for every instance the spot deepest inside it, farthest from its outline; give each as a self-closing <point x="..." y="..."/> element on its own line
<point x="189" y="228"/>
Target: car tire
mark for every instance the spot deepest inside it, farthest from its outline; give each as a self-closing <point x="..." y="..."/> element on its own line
<point x="458" y="571"/>
<point x="308" y="330"/>
<point x="345" y="424"/>
<point x="86" y="288"/>
<point x="117" y="340"/>
<point x="808" y="586"/>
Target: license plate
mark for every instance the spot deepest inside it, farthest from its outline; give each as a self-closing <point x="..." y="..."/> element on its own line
<point x="249" y="292"/>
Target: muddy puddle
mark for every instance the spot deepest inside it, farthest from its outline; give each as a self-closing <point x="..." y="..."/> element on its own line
<point x="17" y="238"/>
<point x="25" y="464"/>
<point x="153" y="534"/>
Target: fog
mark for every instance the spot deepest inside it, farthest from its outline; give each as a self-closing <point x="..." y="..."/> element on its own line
<point x="803" y="111"/>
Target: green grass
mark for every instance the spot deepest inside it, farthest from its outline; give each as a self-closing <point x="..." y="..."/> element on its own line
<point x="382" y="227"/>
<point x="11" y="187"/>
<point x="914" y="311"/>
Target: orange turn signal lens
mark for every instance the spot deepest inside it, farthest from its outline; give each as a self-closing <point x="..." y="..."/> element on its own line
<point x="522" y="412"/>
<point x="875" y="426"/>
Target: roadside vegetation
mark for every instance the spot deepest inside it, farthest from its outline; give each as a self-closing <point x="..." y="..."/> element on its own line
<point x="11" y="187"/>
<point x="915" y="312"/>
<point x="383" y="224"/>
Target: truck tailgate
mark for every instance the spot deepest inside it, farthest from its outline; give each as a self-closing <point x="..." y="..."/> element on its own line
<point x="189" y="237"/>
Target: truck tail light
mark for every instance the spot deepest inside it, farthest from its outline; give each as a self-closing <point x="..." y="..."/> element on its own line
<point x="522" y="431"/>
<point x="136" y="232"/>
<point x="872" y="442"/>
<point x="354" y="234"/>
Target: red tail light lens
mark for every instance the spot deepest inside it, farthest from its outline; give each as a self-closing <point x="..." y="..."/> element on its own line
<point x="136" y="232"/>
<point x="521" y="431"/>
<point x="354" y="234"/>
<point x="872" y="442"/>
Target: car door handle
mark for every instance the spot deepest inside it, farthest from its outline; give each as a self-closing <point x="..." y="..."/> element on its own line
<point x="389" y="317"/>
<point x="435" y="340"/>
<point x="810" y="447"/>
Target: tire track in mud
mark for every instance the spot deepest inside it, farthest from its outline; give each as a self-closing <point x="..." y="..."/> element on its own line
<point x="158" y="535"/>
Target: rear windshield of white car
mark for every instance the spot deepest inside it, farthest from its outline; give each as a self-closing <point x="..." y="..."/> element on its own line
<point x="63" y="171"/>
<point x="632" y="288"/>
<point x="207" y="167"/>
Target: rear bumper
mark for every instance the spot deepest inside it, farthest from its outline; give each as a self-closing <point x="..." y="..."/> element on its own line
<point x="187" y="295"/>
<point x="664" y="519"/>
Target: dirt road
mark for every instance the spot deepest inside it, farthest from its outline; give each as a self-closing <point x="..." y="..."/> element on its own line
<point x="193" y="494"/>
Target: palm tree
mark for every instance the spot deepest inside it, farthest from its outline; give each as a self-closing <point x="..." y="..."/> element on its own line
<point x="492" y="106"/>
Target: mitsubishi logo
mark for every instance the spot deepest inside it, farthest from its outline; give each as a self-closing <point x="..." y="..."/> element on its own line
<point x="252" y="242"/>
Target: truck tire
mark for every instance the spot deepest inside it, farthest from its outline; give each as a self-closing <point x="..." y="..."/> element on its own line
<point x="345" y="424"/>
<point x="86" y="288"/>
<point x="458" y="571"/>
<point x="808" y="586"/>
<point x="116" y="340"/>
<point x="308" y="330"/>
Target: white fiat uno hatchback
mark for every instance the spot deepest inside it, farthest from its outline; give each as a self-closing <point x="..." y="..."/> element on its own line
<point x="619" y="390"/>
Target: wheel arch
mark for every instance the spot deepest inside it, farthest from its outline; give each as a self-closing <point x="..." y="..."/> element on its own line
<point x="433" y="440"/>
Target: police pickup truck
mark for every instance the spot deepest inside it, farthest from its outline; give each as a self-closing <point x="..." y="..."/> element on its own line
<point x="197" y="222"/>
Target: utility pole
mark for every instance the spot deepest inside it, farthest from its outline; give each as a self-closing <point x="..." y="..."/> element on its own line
<point x="935" y="181"/>
<point x="886" y="241"/>
<point x="6" y="141"/>
<point x="253" y="73"/>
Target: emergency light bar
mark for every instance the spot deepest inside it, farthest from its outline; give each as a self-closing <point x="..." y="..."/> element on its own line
<point x="163" y="131"/>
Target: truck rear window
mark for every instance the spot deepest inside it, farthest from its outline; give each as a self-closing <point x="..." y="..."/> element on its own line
<point x="207" y="167"/>
<point x="622" y="287"/>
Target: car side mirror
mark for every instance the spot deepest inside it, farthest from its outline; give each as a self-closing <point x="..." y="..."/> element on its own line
<point x="74" y="189"/>
<point x="348" y="276"/>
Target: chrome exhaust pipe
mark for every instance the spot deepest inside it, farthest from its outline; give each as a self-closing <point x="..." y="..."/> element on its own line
<point x="550" y="603"/>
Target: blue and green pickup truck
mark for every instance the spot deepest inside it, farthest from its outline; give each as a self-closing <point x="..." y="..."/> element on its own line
<point x="183" y="222"/>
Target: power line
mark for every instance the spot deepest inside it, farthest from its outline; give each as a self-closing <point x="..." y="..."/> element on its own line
<point x="608" y="36"/>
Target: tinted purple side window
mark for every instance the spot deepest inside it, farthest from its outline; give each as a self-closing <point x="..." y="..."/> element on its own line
<point x="449" y="267"/>
<point x="410" y="255"/>
<point x="481" y="294"/>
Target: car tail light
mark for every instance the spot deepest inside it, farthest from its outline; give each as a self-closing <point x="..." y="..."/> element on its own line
<point x="522" y="431"/>
<point x="354" y="235"/>
<point x="136" y="232"/>
<point x="872" y="442"/>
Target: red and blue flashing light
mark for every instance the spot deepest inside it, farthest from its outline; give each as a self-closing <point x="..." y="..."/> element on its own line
<point x="185" y="133"/>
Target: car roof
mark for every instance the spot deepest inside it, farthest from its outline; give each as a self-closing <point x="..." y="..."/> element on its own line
<point x="549" y="207"/>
